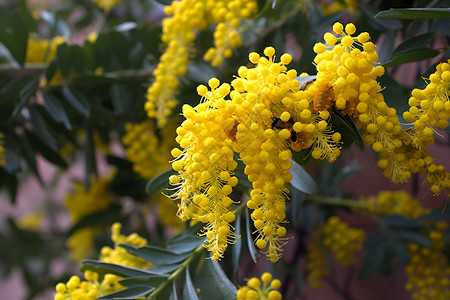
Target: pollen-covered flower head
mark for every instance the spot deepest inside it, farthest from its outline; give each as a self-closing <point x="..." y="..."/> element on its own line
<point x="264" y="288"/>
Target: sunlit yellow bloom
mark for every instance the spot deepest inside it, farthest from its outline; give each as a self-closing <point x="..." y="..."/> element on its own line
<point x="41" y="50"/>
<point x="264" y="289"/>
<point x="93" y="286"/>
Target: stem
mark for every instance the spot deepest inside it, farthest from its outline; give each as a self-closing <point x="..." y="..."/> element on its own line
<point x="175" y="274"/>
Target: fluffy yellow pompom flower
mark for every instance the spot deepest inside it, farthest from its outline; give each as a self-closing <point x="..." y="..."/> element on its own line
<point x="259" y="289"/>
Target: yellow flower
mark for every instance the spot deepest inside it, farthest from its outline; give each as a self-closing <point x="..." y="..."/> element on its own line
<point x="93" y="286"/>
<point x="254" y="290"/>
<point x="106" y="4"/>
<point x="42" y="50"/>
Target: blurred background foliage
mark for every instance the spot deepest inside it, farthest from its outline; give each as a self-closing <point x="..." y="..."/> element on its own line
<point x="73" y="82"/>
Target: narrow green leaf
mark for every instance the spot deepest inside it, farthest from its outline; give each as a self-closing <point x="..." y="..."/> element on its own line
<point x="159" y="182"/>
<point x="13" y="33"/>
<point x="184" y="243"/>
<point x="301" y="180"/>
<point x="401" y="250"/>
<point x="64" y="59"/>
<point x="419" y="41"/>
<point x="30" y="157"/>
<point x="90" y="160"/>
<point x="373" y="240"/>
<point x="155" y="254"/>
<point x="10" y="91"/>
<point x="372" y="261"/>
<point x="30" y="22"/>
<point x="40" y="128"/>
<point x="415" y="13"/>
<point x="52" y="156"/>
<point x="130" y="293"/>
<point x="174" y="292"/>
<point x="121" y="99"/>
<point x="224" y="287"/>
<point x="164" y="269"/>
<point x="103" y="268"/>
<point x="347" y="127"/>
<point x="103" y="217"/>
<point x="237" y="247"/>
<point x="415" y="237"/>
<point x="56" y="110"/>
<point x="254" y="253"/>
<point x="188" y="288"/>
<point x="400" y="221"/>
<point x="412" y="55"/>
<point x="25" y="93"/>
<point x="150" y="281"/>
<point x="77" y="100"/>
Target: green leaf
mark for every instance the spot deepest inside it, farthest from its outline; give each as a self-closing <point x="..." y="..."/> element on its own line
<point x="52" y="156"/>
<point x="103" y="268"/>
<point x="184" y="243"/>
<point x="414" y="13"/>
<point x="164" y="269"/>
<point x="56" y="110"/>
<point x="301" y="180"/>
<point x="372" y="261"/>
<point x="13" y="33"/>
<point x="224" y="288"/>
<point x="64" y="59"/>
<point x="174" y="293"/>
<point x="401" y="250"/>
<point x="121" y="98"/>
<point x="159" y="182"/>
<point x="416" y="42"/>
<point x="347" y="127"/>
<point x="400" y="221"/>
<point x="237" y="247"/>
<point x="411" y="55"/>
<point x="188" y="288"/>
<point x="77" y="100"/>
<point x="25" y="93"/>
<point x="150" y="280"/>
<point x="254" y="253"/>
<point x="40" y="128"/>
<point x="415" y="237"/>
<point x="155" y="254"/>
<point x="164" y="2"/>
<point x="241" y="176"/>
<point x="130" y="293"/>
<point x="30" y="22"/>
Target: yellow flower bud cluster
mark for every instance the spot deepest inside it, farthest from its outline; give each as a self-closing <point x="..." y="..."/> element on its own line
<point x="228" y="32"/>
<point x="428" y="270"/>
<point x="266" y="114"/>
<point x="395" y="202"/>
<point x="81" y="203"/>
<point x="205" y="166"/>
<point x="430" y="110"/>
<point x="335" y="237"/>
<point x="184" y="17"/>
<point x="149" y="154"/>
<point x="106" y="4"/>
<point x="42" y="50"/>
<point x="264" y="289"/>
<point x="2" y="151"/>
<point x="92" y="287"/>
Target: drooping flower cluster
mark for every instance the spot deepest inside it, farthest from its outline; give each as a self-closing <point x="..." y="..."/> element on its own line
<point x="184" y="18"/>
<point x="429" y="111"/>
<point x="255" y="291"/>
<point x="82" y="203"/>
<point x="395" y="202"/>
<point x="429" y="269"/>
<point x="335" y="237"/>
<point x="93" y="286"/>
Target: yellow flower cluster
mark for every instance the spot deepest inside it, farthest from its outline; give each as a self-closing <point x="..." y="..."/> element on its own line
<point x="255" y="291"/>
<point x="42" y="50"/>
<point x="429" y="270"/>
<point x="106" y="4"/>
<point x="430" y="110"/>
<point x="81" y="203"/>
<point x="395" y="202"/>
<point x="2" y="151"/>
<point x="94" y="287"/>
<point x="149" y="154"/>
<point x="337" y="237"/>
<point x="184" y="17"/>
